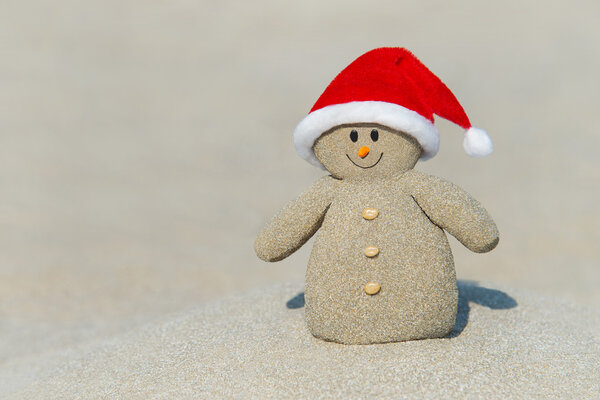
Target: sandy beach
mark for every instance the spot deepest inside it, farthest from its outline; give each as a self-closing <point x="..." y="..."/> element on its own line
<point x="256" y="345"/>
<point x="144" y="144"/>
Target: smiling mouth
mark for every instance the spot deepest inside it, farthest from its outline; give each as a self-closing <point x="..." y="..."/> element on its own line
<point x="360" y="166"/>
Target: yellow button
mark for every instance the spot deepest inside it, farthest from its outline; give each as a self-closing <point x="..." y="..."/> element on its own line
<point x="370" y="213"/>
<point x="372" y="288"/>
<point x="371" y="251"/>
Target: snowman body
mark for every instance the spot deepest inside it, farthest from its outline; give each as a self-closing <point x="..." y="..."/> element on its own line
<point x="413" y="267"/>
<point x="381" y="269"/>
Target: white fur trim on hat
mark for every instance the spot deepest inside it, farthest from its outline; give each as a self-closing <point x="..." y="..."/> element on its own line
<point x="388" y="114"/>
<point x="477" y="143"/>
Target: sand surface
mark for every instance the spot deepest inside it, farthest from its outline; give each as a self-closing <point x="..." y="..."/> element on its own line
<point x="143" y="144"/>
<point x="506" y="344"/>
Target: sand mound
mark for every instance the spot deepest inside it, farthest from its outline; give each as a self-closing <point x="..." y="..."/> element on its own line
<point x="506" y="344"/>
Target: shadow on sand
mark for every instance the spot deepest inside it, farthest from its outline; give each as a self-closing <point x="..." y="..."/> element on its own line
<point x="468" y="291"/>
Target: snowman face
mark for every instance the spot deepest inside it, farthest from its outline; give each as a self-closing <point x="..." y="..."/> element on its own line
<point x="366" y="151"/>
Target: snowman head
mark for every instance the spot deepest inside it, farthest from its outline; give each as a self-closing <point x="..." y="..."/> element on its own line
<point x="366" y="151"/>
<point x="385" y="87"/>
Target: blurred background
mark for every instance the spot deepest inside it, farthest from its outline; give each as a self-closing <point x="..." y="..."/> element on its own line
<point x="143" y="144"/>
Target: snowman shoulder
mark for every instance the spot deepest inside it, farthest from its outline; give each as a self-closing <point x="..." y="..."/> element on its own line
<point x="418" y="181"/>
<point x="434" y="192"/>
<point x="325" y="187"/>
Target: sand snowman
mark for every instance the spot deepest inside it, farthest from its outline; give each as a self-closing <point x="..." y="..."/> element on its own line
<point x="381" y="269"/>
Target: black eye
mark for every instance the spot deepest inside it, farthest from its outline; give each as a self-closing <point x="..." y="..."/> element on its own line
<point x="354" y="135"/>
<point x="374" y="135"/>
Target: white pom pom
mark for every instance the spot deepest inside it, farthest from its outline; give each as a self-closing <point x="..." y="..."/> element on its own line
<point x="477" y="143"/>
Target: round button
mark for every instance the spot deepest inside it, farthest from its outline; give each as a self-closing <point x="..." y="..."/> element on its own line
<point x="370" y="213"/>
<point x="371" y="251"/>
<point x="372" y="288"/>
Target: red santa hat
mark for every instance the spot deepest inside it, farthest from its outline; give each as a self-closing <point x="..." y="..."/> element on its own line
<point x="391" y="87"/>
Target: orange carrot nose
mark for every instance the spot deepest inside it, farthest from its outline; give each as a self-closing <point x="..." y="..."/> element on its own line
<point x="363" y="152"/>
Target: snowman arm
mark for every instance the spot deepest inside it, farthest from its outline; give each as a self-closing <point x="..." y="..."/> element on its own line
<point x="291" y="227"/>
<point x="455" y="211"/>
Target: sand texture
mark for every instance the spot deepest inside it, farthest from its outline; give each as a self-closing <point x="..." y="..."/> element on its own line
<point x="506" y="344"/>
<point x="415" y="267"/>
<point x="144" y="144"/>
<point x="407" y="290"/>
